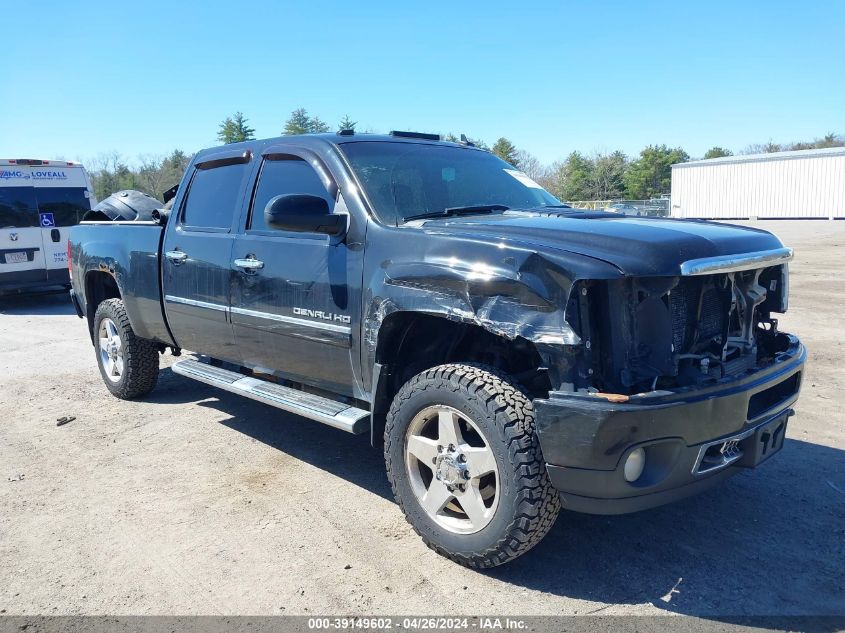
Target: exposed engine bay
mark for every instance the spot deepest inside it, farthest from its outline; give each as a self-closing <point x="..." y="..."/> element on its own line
<point x="642" y="334"/>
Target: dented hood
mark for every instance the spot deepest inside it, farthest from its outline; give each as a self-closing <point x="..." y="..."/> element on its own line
<point x="636" y="246"/>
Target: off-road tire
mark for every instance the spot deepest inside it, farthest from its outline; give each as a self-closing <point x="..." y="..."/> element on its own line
<point x="528" y="505"/>
<point x="140" y="356"/>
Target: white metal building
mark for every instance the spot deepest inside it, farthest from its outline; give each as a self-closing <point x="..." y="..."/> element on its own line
<point x="801" y="184"/>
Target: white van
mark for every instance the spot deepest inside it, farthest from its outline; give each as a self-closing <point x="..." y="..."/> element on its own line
<point x="39" y="201"/>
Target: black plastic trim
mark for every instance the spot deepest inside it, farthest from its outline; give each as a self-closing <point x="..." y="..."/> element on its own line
<point x="626" y="505"/>
<point x="222" y="159"/>
<point x="586" y="431"/>
<point x="294" y="152"/>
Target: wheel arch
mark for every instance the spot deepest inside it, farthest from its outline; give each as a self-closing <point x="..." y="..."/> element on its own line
<point x="99" y="286"/>
<point x="411" y="342"/>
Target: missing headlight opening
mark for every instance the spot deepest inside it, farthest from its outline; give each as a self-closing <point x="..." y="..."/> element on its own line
<point x="656" y="333"/>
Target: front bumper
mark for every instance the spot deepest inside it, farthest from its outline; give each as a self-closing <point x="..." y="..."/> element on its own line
<point x="692" y="438"/>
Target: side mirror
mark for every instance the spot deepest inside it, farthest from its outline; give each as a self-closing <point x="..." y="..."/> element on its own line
<point x="303" y="213"/>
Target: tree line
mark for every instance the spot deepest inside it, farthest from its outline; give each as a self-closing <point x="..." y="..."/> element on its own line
<point x="614" y="175"/>
<point x="579" y="176"/>
<point x="153" y="175"/>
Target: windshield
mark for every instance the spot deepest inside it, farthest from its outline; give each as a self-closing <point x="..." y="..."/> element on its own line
<point x="408" y="180"/>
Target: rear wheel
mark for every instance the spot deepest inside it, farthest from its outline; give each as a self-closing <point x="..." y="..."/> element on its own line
<point x="465" y="465"/>
<point x="128" y="364"/>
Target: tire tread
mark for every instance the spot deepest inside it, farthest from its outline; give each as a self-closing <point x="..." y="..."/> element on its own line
<point x="538" y="502"/>
<point x="140" y="356"/>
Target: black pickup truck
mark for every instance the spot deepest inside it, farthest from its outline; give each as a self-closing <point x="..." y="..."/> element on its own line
<point x="511" y="354"/>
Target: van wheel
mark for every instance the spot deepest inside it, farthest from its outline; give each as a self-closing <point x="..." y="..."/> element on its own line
<point x="128" y="364"/>
<point x="465" y="465"/>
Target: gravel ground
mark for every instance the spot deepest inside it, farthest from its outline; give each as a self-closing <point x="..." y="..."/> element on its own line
<point x="194" y="501"/>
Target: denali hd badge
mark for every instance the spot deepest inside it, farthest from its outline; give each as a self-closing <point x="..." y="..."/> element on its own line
<point x="326" y="316"/>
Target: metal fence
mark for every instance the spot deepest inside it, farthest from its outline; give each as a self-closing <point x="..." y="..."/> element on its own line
<point x="654" y="207"/>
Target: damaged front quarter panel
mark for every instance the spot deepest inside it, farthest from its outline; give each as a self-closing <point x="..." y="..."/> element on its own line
<point x="509" y="302"/>
<point x="508" y="290"/>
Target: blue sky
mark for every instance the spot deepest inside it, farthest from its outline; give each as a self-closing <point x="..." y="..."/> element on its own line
<point x="80" y="78"/>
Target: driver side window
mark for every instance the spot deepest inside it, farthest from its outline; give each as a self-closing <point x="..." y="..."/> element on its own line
<point x="280" y="177"/>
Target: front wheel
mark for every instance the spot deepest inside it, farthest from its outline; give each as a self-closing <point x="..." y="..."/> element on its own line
<point x="466" y="467"/>
<point x="128" y="364"/>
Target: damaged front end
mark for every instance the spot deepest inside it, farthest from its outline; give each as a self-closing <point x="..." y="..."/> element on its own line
<point x="686" y="376"/>
<point x="650" y="333"/>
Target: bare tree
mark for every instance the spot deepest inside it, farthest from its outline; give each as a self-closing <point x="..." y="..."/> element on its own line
<point x="531" y="165"/>
<point x="605" y="177"/>
<point x="152" y="175"/>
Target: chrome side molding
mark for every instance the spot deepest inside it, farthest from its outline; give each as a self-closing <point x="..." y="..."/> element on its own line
<point x="735" y="263"/>
<point x="197" y="304"/>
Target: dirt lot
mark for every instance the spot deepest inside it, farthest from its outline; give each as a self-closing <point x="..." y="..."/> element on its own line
<point x="194" y="501"/>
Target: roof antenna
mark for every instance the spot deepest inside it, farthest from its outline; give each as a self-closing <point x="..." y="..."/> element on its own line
<point x="466" y="141"/>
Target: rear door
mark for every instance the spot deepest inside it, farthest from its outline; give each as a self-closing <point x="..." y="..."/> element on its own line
<point x="63" y="198"/>
<point x="196" y="259"/>
<point x="21" y="248"/>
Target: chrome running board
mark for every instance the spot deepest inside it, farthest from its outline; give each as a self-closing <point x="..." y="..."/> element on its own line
<point x="337" y="414"/>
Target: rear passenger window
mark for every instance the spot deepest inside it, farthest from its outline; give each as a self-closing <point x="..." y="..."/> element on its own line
<point x="18" y="208"/>
<point x="214" y="196"/>
<point x="279" y="177"/>
<point x="67" y="204"/>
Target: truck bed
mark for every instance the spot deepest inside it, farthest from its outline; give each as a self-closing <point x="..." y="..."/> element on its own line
<point x="129" y="253"/>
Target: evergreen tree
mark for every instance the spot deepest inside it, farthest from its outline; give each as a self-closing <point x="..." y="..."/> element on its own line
<point x="317" y="126"/>
<point x="651" y="173"/>
<point x="831" y="139"/>
<point x="298" y="123"/>
<point x="346" y="123"/>
<point x="301" y="123"/>
<point x="507" y="151"/>
<point x="234" y="130"/>
<point x="570" y="179"/>
<point x="718" y="152"/>
<point x="177" y="161"/>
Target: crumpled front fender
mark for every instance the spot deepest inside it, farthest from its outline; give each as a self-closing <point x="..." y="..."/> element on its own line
<point x="507" y="290"/>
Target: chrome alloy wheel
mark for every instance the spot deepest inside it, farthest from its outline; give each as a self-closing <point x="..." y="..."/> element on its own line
<point x="111" y="350"/>
<point x="452" y="469"/>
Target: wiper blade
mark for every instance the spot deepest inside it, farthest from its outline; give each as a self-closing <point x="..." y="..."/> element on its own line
<point x="476" y="208"/>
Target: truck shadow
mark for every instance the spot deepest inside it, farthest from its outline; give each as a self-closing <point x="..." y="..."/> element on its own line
<point x="767" y="542"/>
<point x="319" y="445"/>
<point x="54" y="303"/>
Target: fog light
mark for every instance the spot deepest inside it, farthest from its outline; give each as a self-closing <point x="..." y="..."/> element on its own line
<point x="634" y="465"/>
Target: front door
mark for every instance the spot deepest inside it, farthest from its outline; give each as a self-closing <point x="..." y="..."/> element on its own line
<point x="197" y="251"/>
<point x="295" y="295"/>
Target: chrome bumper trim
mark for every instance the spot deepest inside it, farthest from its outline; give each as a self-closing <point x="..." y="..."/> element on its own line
<point x="735" y="263"/>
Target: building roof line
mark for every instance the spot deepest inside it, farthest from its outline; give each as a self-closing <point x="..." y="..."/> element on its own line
<point x="766" y="157"/>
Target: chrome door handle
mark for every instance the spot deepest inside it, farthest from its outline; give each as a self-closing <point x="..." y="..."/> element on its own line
<point x="248" y="264"/>
<point x="177" y="257"/>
